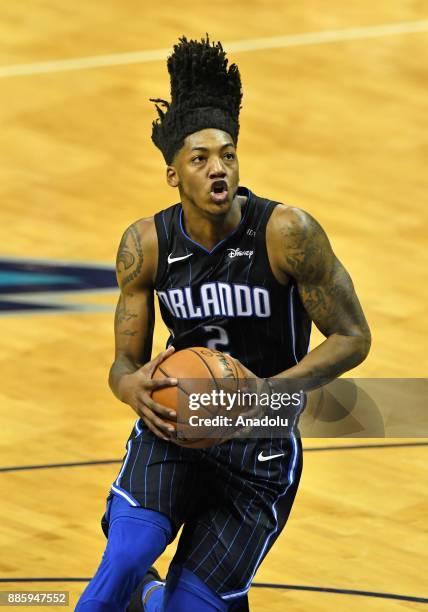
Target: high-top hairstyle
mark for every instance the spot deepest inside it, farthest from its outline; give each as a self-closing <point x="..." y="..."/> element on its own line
<point x="205" y="93"/>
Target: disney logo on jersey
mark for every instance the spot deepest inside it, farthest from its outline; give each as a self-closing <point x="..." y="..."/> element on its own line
<point x="238" y="253"/>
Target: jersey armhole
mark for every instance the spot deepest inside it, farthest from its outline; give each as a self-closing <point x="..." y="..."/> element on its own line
<point x="271" y="207"/>
<point x="162" y="230"/>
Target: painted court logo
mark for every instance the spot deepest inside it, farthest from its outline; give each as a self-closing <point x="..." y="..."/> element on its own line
<point x="28" y="285"/>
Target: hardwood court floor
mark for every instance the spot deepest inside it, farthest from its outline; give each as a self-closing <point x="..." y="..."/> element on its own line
<point x="337" y="127"/>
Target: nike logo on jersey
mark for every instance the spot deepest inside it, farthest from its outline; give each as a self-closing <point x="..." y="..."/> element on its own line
<point x="262" y="457"/>
<point x="173" y="259"/>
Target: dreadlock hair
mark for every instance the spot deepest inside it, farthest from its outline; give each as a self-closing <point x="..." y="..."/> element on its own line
<point x="205" y="93"/>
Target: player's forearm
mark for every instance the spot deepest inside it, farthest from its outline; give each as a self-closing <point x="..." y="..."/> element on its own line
<point x="336" y="355"/>
<point x="122" y="366"/>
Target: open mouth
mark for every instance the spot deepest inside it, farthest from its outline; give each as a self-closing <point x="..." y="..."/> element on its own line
<point x="219" y="191"/>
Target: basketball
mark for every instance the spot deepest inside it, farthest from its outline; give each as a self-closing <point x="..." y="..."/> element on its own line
<point x="199" y="370"/>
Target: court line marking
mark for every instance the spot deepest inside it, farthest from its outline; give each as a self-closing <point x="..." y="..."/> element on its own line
<point x="262" y="585"/>
<point x="362" y="446"/>
<point x="47" y="466"/>
<point x="6" y="580"/>
<point x="297" y="587"/>
<point x="237" y="46"/>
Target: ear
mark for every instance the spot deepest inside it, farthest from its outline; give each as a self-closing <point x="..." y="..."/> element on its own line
<point x="172" y="176"/>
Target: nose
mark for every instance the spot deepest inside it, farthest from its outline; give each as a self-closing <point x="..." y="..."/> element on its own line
<point x="216" y="168"/>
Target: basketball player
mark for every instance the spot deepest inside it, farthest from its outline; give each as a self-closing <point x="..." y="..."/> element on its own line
<point x="233" y="272"/>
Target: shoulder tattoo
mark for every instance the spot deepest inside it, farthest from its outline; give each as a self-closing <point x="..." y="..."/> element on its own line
<point x="130" y="254"/>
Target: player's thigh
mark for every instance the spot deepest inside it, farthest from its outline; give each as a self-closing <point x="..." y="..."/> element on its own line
<point x="225" y="546"/>
<point x="161" y="476"/>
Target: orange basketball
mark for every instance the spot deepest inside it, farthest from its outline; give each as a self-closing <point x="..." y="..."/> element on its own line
<point x="202" y="371"/>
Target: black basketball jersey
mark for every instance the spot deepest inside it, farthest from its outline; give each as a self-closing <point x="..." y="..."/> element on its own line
<point x="228" y="298"/>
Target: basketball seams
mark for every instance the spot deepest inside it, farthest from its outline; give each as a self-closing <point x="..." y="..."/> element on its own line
<point x="230" y="361"/>
<point x="165" y="373"/>
<point x="206" y="365"/>
<point x="189" y="443"/>
<point x="233" y="363"/>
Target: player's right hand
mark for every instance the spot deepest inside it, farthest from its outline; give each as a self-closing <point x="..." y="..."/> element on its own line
<point x="136" y="389"/>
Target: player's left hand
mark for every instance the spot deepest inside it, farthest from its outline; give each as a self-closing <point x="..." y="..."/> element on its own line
<point x="250" y="382"/>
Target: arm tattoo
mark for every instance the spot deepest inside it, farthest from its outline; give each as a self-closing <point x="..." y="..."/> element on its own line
<point x="125" y="258"/>
<point x="333" y="305"/>
<point x="325" y="287"/>
<point x="305" y="248"/>
<point x="148" y="343"/>
<point x="130" y="323"/>
<point x="123" y="313"/>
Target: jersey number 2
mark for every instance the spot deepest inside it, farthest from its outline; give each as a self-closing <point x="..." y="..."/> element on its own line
<point x="221" y="340"/>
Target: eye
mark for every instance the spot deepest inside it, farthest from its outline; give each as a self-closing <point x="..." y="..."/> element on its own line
<point x="197" y="159"/>
<point x="229" y="156"/>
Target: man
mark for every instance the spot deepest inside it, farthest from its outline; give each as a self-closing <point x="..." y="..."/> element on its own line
<point x="240" y="274"/>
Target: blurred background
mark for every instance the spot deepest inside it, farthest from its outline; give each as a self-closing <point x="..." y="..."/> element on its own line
<point x="333" y="121"/>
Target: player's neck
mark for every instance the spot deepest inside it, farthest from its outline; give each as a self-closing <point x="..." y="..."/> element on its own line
<point x="207" y="230"/>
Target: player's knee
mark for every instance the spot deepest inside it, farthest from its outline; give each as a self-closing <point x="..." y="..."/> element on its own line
<point x="186" y="591"/>
<point x="135" y="545"/>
